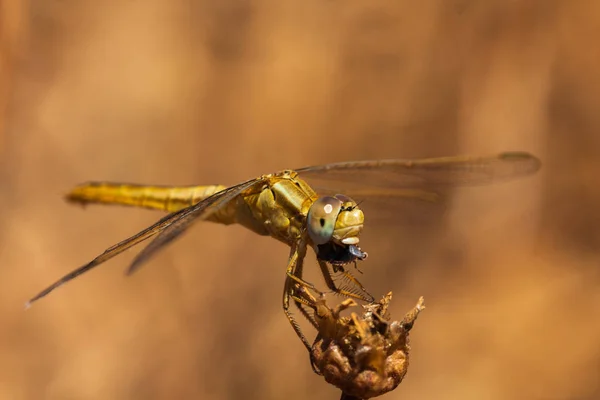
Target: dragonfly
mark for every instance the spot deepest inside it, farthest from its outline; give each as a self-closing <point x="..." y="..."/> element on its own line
<point x="322" y="216"/>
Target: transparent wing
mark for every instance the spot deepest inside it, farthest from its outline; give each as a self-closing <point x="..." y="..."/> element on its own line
<point x="405" y="202"/>
<point x="393" y="177"/>
<point x="167" y="229"/>
<point x="381" y="185"/>
<point x="182" y="220"/>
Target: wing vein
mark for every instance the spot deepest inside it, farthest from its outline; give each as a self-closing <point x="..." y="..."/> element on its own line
<point x="183" y="217"/>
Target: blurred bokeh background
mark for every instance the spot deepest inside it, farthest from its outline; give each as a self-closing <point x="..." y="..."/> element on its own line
<point x="182" y="92"/>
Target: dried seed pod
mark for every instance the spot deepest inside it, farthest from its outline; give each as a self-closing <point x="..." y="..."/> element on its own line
<point x="364" y="355"/>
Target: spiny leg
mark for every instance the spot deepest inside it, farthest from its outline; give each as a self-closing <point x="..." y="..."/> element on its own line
<point x="301" y="282"/>
<point x="297" y="254"/>
<point x="301" y="288"/>
<point x="303" y="297"/>
<point x="325" y="319"/>
<point x="332" y="286"/>
<point x="322" y="312"/>
<point x="303" y="300"/>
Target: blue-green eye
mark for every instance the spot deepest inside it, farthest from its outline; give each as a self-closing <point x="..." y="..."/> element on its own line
<point x="322" y="216"/>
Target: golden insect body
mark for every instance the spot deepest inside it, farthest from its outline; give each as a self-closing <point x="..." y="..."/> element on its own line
<point x="285" y="207"/>
<point x="276" y="205"/>
<point x="162" y="198"/>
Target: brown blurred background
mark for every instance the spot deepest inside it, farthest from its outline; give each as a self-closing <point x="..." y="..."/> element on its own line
<point x="180" y="92"/>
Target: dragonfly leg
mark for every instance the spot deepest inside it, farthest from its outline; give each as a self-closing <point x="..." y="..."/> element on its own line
<point x="364" y="296"/>
<point x="301" y="282"/>
<point x="301" y="293"/>
<point x="303" y="298"/>
<point x="298" y="253"/>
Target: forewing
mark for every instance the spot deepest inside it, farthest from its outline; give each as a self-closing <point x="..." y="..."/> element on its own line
<point x="402" y="190"/>
<point x="405" y="202"/>
<point x="168" y="229"/>
<point x="392" y="177"/>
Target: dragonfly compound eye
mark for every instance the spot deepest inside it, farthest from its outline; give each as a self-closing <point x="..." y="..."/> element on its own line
<point x="322" y="216"/>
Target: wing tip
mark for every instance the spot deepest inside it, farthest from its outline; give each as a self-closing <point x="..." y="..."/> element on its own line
<point x="133" y="267"/>
<point x="530" y="161"/>
<point x="518" y="156"/>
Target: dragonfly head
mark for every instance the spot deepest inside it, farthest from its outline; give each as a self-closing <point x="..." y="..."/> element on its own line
<point x="334" y="225"/>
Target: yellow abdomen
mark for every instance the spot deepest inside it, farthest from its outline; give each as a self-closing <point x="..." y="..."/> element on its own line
<point x="165" y="198"/>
